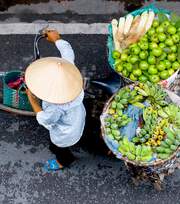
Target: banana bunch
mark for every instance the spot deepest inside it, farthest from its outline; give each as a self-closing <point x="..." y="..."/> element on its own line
<point x="169" y="144"/>
<point x="150" y="119"/>
<point x="154" y="93"/>
<point x="158" y="133"/>
<point x="140" y="153"/>
<point x="130" y="29"/>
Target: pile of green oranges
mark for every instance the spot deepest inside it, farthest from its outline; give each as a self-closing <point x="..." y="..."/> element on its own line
<point x="154" y="58"/>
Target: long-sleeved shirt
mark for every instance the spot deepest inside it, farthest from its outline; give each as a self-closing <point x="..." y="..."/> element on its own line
<point x="65" y="122"/>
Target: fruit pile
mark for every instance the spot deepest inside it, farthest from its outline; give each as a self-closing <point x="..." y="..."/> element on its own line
<point x="147" y="47"/>
<point x="157" y="134"/>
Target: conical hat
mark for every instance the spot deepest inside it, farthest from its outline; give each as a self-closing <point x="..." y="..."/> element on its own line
<point x="54" y="80"/>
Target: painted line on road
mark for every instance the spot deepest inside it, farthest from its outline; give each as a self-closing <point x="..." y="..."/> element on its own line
<point x="63" y="28"/>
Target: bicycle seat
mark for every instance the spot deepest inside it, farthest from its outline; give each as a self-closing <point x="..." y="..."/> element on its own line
<point x="110" y="84"/>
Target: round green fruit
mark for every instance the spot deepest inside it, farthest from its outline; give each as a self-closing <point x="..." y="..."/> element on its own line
<point x="133" y="59"/>
<point x="173" y="48"/>
<point x="152" y="70"/>
<point x="152" y="59"/>
<point x="171" y="57"/>
<point x="155" y="23"/>
<point x="175" y="38"/>
<point x="165" y="24"/>
<point x="128" y="67"/>
<point x="160" y="29"/>
<point x="171" y="29"/>
<point x="124" y="57"/>
<point x="164" y="74"/>
<point x="161" y="66"/>
<point x="143" y="78"/>
<point x="161" y="37"/>
<point x="157" y="51"/>
<point x="132" y="77"/>
<point x="137" y="72"/>
<point x="143" y="55"/>
<point x="153" y="45"/>
<point x="154" y="78"/>
<point x="171" y="72"/>
<point x="135" y="50"/>
<point x="169" y="42"/>
<point x="162" y="45"/>
<point x="119" y="68"/>
<point x="167" y="64"/>
<point x="143" y="65"/>
<point x="175" y="65"/>
<point x="116" y="54"/>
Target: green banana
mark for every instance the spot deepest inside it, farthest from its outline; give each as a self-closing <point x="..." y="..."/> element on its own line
<point x="138" y="104"/>
<point x="163" y="156"/>
<point x="162" y="114"/>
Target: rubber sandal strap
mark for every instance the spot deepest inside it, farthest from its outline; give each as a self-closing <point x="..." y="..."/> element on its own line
<point x="51" y="165"/>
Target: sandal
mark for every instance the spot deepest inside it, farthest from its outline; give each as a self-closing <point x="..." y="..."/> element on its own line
<point x="52" y="165"/>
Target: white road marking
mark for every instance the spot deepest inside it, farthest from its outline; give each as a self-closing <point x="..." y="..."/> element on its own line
<point x="63" y="28"/>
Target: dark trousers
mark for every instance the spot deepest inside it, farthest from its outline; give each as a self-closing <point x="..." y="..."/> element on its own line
<point x="63" y="154"/>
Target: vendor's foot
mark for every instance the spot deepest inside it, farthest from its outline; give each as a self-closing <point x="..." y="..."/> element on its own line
<point x="52" y="165"/>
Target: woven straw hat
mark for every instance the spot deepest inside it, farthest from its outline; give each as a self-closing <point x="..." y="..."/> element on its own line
<point x="54" y="80"/>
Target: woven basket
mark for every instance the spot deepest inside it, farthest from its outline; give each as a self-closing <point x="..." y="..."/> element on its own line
<point x="154" y="166"/>
<point x="14" y="98"/>
<point x="110" y="43"/>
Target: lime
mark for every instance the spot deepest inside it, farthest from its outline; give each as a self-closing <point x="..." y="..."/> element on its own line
<point x="142" y="55"/>
<point x="162" y="45"/>
<point x="133" y="59"/>
<point x="163" y="56"/>
<point x="125" y="73"/>
<point x="160" y="29"/>
<point x="132" y="77"/>
<point x="137" y="72"/>
<point x="161" y="37"/>
<point x="175" y="38"/>
<point x="157" y="51"/>
<point x="155" y="23"/>
<point x="154" y="78"/>
<point x="152" y="59"/>
<point x="164" y="74"/>
<point x="152" y="70"/>
<point x="124" y="56"/>
<point x="169" y="42"/>
<point x="171" y="72"/>
<point x="135" y="50"/>
<point x="143" y="65"/>
<point x="116" y="54"/>
<point x="128" y="67"/>
<point x="175" y="65"/>
<point x="153" y="45"/>
<point x="171" y="57"/>
<point x="119" y="68"/>
<point x="171" y="29"/>
<point x="167" y="64"/>
<point x="173" y="48"/>
<point x="161" y="66"/>
<point x="143" y="78"/>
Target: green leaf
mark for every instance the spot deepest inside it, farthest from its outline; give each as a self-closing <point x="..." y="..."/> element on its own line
<point x="174" y="17"/>
<point x="178" y="53"/>
<point x="162" y="17"/>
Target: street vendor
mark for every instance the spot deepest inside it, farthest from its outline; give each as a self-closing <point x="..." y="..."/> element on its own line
<point x="59" y="84"/>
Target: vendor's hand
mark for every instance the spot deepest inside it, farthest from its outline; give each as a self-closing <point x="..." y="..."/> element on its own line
<point x="52" y="36"/>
